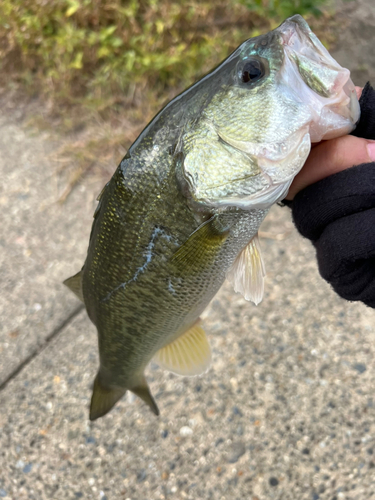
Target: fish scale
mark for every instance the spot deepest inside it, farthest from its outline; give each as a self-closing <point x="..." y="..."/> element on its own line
<point x="182" y="211"/>
<point x="170" y="309"/>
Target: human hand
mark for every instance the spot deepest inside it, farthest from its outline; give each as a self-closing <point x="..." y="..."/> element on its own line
<point x="333" y="205"/>
<point x="330" y="157"/>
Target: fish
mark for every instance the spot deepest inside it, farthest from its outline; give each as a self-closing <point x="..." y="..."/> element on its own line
<point x="182" y="211"/>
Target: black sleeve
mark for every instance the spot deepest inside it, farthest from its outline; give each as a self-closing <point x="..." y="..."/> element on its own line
<point x="338" y="215"/>
<point x="366" y="126"/>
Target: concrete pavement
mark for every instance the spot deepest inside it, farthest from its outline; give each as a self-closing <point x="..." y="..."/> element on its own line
<point x="287" y="410"/>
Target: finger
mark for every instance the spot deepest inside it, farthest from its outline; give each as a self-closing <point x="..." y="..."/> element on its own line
<point x="359" y="91"/>
<point x="330" y="157"/>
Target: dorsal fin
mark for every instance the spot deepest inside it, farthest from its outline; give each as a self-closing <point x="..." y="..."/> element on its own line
<point x="247" y="272"/>
<point x="189" y="354"/>
<point x="74" y="283"/>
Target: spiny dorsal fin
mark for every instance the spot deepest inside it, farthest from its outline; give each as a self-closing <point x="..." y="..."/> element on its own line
<point x="189" y="354"/>
<point x="103" y="399"/>
<point x="247" y="272"/>
<point x="142" y="391"/>
<point x="201" y="248"/>
<point x="74" y="283"/>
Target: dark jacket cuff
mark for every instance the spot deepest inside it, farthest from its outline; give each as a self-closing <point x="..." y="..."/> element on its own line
<point x="338" y="215"/>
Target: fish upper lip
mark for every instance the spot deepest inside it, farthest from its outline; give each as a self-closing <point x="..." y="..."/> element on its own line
<point x="287" y="35"/>
<point x="290" y="29"/>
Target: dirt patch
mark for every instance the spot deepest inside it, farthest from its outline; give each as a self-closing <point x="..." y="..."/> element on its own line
<point x="355" y="46"/>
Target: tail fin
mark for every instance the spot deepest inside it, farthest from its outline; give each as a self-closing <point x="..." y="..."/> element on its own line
<point x="143" y="391"/>
<point x="103" y="399"/>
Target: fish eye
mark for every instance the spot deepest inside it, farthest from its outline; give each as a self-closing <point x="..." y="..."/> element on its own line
<point x="252" y="71"/>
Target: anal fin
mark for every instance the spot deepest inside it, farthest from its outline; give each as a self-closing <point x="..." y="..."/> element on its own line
<point x="189" y="354"/>
<point x="103" y="399"/>
<point x="247" y="272"/>
<point x="74" y="283"/>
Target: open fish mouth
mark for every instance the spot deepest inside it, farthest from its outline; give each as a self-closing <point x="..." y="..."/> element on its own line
<point x="284" y="92"/>
<point x="317" y="78"/>
<point x="316" y="83"/>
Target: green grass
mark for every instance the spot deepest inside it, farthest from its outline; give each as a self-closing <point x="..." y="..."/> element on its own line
<point x="98" y="61"/>
<point x="99" y="52"/>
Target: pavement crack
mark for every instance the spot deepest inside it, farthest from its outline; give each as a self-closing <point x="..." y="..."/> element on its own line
<point x="41" y="347"/>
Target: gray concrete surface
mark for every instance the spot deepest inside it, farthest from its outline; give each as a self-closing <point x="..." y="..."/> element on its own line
<point x="41" y="242"/>
<point x="287" y="410"/>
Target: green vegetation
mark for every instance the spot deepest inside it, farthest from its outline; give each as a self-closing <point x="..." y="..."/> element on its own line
<point x="113" y="63"/>
<point x="97" y="49"/>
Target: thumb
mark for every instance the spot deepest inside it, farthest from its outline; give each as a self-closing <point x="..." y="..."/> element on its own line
<point x="330" y="157"/>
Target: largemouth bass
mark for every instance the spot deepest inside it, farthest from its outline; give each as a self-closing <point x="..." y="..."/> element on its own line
<point x="182" y="211"/>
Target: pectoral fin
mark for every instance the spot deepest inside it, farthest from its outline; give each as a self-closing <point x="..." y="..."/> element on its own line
<point x="103" y="399"/>
<point x="201" y="248"/>
<point x="247" y="272"/>
<point x="189" y="354"/>
<point x="74" y="283"/>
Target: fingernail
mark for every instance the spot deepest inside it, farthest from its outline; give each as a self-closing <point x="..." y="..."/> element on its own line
<point x="371" y="150"/>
